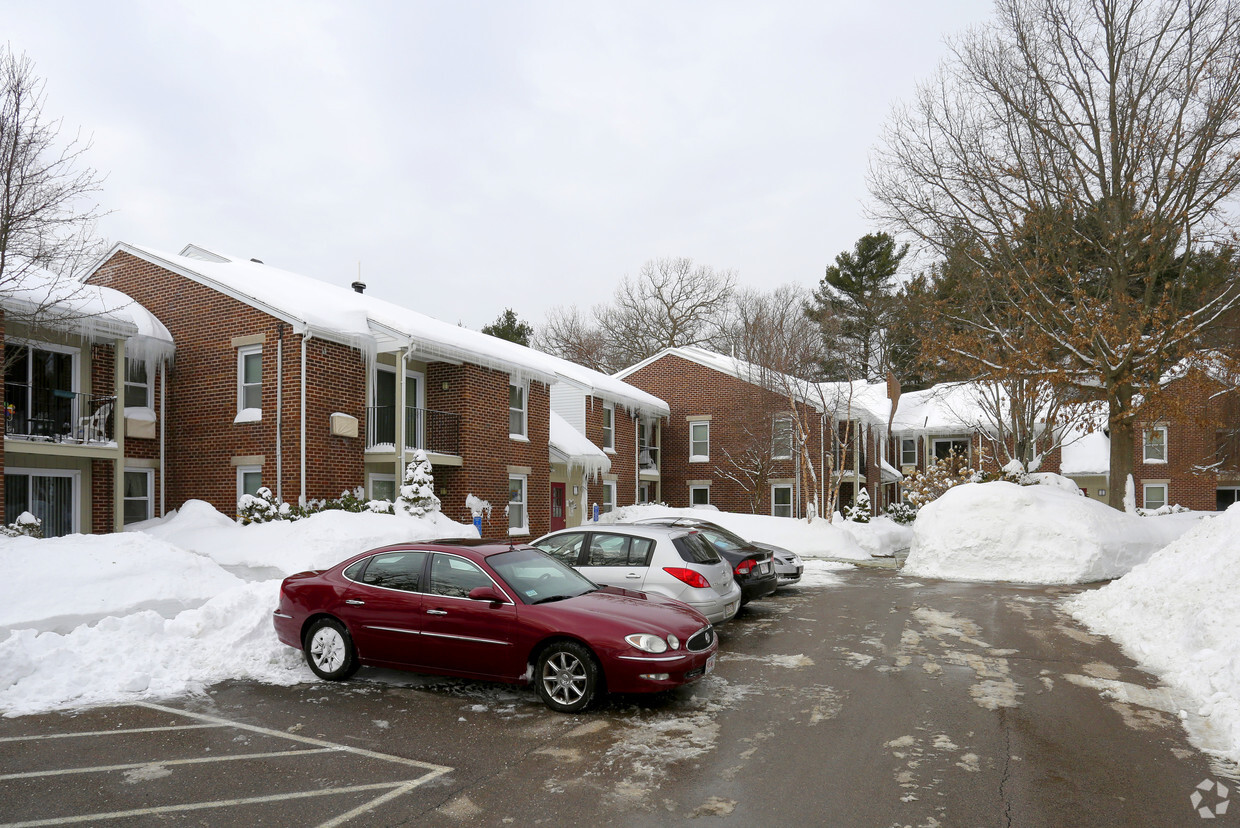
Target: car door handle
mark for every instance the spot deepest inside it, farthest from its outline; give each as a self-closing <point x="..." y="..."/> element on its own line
<point x="436" y="612"/>
<point x="355" y="603"/>
<point x="634" y="576"/>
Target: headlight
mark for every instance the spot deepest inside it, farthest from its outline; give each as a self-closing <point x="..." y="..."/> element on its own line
<point x="647" y="643"/>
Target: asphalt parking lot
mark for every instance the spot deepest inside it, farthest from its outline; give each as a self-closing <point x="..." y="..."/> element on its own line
<point x="881" y="701"/>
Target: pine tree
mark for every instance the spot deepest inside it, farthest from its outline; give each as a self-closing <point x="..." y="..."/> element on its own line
<point x="509" y="326"/>
<point x="417" y="493"/>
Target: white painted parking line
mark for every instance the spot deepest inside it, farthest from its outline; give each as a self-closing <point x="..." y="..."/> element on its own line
<point x="119" y="731"/>
<point x="390" y="790"/>
<point x="232" y="757"/>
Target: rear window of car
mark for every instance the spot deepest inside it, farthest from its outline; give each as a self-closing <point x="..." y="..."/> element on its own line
<point x="694" y="548"/>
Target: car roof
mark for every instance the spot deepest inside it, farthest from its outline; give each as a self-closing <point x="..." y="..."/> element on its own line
<point x="648" y="530"/>
<point x="479" y="547"/>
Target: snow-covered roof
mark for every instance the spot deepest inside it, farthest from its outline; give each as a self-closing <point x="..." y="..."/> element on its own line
<point x="1088" y="454"/>
<point x="610" y="389"/>
<point x="569" y="446"/>
<point x="91" y="311"/>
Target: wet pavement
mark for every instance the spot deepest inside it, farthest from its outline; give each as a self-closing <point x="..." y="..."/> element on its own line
<point x="883" y="701"/>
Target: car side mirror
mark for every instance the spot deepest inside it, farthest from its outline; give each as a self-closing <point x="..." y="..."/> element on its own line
<point x="486" y="593"/>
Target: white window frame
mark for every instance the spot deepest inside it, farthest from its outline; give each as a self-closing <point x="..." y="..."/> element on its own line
<point x="374" y="478"/>
<point x="1145" y="495"/>
<point x="149" y="474"/>
<point x="242" y="471"/>
<point x="699" y="487"/>
<point x="699" y="458"/>
<point x="146" y="386"/>
<point x="243" y="352"/>
<point x="524" y="528"/>
<point x="609" y="427"/>
<point x="905" y="444"/>
<point x="934" y="447"/>
<point x="781" y="486"/>
<point x="1146" y="445"/>
<point x="609" y="494"/>
<point x="76" y="487"/>
<point x="777" y="450"/>
<point x="524" y="409"/>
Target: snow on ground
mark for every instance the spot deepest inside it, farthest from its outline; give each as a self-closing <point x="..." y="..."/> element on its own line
<point x="1179" y="614"/>
<point x="1032" y="534"/>
<point x="881" y="537"/>
<point x="819" y="539"/>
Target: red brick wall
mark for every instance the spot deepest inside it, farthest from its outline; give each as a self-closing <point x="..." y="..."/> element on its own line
<point x="692" y="389"/>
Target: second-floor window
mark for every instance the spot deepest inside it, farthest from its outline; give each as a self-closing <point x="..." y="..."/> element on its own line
<point x="1154" y="448"/>
<point x="908" y="452"/>
<point x="137" y="384"/>
<point x="781" y="438"/>
<point x="517" y="394"/>
<point x="250" y="378"/>
<point x="609" y="426"/>
<point x="699" y="442"/>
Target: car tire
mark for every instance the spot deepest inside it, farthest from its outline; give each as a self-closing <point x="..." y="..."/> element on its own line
<point x="329" y="650"/>
<point x="566" y="677"/>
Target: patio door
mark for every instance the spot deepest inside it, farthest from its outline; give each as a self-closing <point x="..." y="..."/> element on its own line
<point x="558" y="520"/>
<point x="47" y="494"/>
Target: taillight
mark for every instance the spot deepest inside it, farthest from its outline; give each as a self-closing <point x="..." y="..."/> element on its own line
<point x="745" y="566"/>
<point x="691" y="577"/>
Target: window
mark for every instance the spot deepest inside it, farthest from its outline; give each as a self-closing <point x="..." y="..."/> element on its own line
<point x="517" y="523"/>
<point x="396" y="570"/>
<point x="383" y="487"/>
<point x="609" y="426"/>
<point x="643" y="492"/>
<point x="40" y="385"/>
<point x="781" y="438"/>
<point x="699" y="495"/>
<point x="946" y="447"/>
<point x="1154" y="448"/>
<point x="249" y="480"/>
<point x="137" y="384"/>
<point x="618" y="550"/>
<point x="699" y="441"/>
<point x="781" y="501"/>
<point x="48" y="494"/>
<point x="908" y="452"/>
<point x="455" y="577"/>
<point x="516" y="410"/>
<point x="1227" y="496"/>
<point x="565" y="548"/>
<point x="139" y="491"/>
<point x="250" y="378"/>
<point x="609" y="497"/>
<point x="1155" y="495"/>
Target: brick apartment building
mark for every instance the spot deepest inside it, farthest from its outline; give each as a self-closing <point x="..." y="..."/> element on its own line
<point x="307" y="388"/>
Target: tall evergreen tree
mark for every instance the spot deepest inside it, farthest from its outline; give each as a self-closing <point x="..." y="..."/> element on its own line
<point x="853" y="304"/>
<point x="509" y="326"/>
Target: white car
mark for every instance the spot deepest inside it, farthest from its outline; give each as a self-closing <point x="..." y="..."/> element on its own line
<point x="672" y="561"/>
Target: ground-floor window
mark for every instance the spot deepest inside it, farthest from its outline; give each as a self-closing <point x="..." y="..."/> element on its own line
<point x="383" y="487"/>
<point x="643" y="492"/>
<point x="139" y="495"/>
<point x="781" y="500"/>
<point x="1155" y="495"/>
<point x="699" y="495"/>
<point x="249" y="480"/>
<point x="517" y="518"/>
<point x="1227" y="495"/>
<point x="609" y="497"/>
<point x="48" y="494"/>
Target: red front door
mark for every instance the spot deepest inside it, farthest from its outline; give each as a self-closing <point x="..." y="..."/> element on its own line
<point x="557" y="507"/>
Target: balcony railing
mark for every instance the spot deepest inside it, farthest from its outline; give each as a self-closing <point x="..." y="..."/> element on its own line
<point x="434" y="431"/>
<point x="55" y="416"/>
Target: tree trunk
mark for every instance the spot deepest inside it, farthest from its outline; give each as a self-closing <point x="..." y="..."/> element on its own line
<point x="1122" y="427"/>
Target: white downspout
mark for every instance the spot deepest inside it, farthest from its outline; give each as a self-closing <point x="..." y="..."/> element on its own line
<point x="305" y="338"/>
<point x="280" y="415"/>
<point x="163" y="420"/>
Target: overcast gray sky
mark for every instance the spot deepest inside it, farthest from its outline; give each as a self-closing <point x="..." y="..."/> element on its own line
<point x="477" y="156"/>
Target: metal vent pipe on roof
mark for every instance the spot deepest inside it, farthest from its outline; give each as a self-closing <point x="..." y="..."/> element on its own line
<point x="257" y="261"/>
<point x="360" y="287"/>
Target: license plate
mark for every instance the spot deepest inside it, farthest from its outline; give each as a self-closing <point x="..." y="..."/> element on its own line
<point x="730" y="609"/>
<point x="710" y="664"/>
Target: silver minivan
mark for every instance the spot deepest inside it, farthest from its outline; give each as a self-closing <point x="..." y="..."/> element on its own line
<point x="666" y="560"/>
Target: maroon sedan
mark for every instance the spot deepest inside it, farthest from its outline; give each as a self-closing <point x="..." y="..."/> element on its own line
<point x="487" y="610"/>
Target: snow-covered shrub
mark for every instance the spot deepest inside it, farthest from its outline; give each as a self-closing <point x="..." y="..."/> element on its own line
<point x="859" y="511"/>
<point x="26" y="525"/>
<point x="1168" y="509"/>
<point x="902" y="513"/>
<point x="263" y="506"/>
<point x="260" y="507"/>
<point x="417" y="492"/>
<point x="924" y="486"/>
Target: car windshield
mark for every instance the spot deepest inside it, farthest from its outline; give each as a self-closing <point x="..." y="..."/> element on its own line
<point x="537" y="577"/>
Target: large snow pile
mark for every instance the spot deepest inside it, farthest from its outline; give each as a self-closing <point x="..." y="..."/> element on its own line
<point x="160" y="614"/>
<point x="1179" y="615"/>
<point x="1032" y="534"/>
<point x="881" y="537"/>
<point x="820" y="539"/>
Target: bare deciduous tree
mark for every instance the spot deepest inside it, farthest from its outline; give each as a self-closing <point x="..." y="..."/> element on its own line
<point x="47" y="213"/>
<point x="1081" y="153"/>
